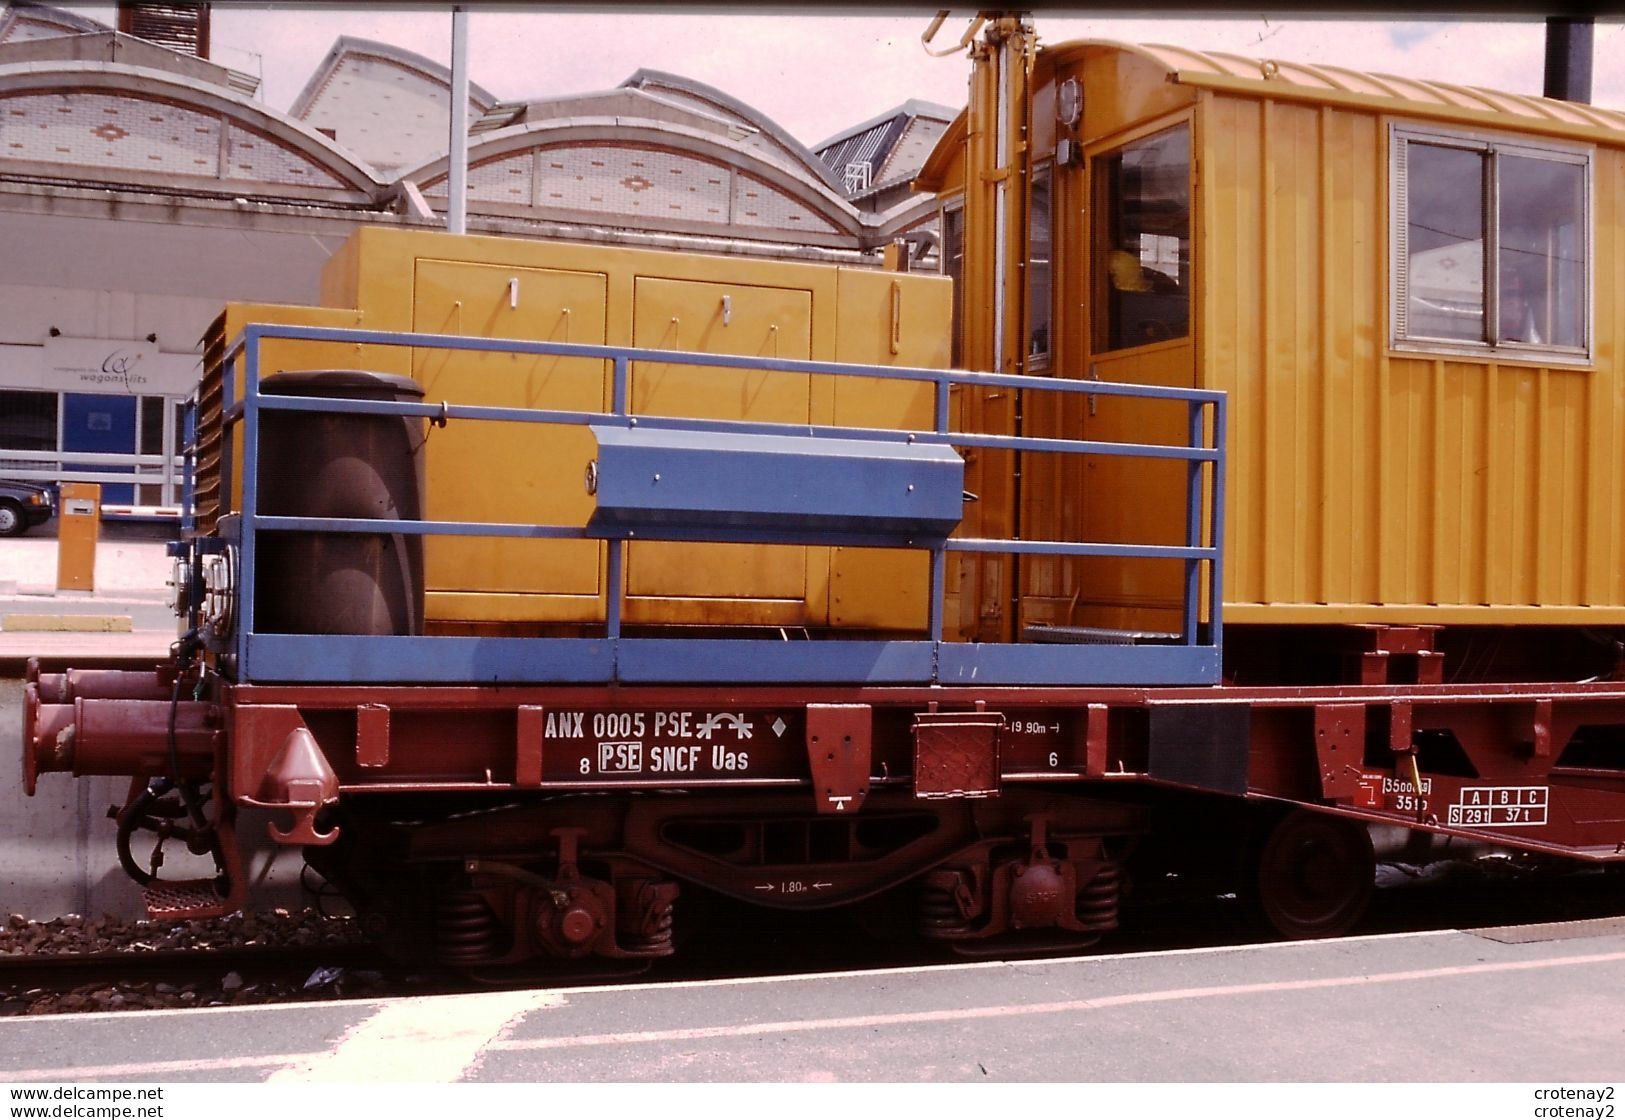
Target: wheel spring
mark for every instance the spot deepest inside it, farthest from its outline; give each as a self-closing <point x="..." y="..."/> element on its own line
<point x="466" y="930"/>
<point x="939" y="910"/>
<point x="655" y="938"/>
<point x="1098" y="898"/>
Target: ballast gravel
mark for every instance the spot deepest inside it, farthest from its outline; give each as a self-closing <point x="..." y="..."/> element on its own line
<point x="74" y="935"/>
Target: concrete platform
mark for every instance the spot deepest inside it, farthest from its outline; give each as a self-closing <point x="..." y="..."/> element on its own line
<point x="1438" y="1007"/>
<point x="56" y="850"/>
<point x="125" y="618"/>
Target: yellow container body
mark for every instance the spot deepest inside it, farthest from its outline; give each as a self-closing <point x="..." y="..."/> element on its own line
<point x="275" y="354"/>
<point x="504" y="472"/>
<point x="1366" y="483"/>
<point x="1372" y="484"/>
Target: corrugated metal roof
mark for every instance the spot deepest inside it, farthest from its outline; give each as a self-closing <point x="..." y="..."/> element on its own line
<point x="913" y="108"/>
<point x="1277" y="78"/>
<point x="182" y="26"/>
<point x="870" y="146"/>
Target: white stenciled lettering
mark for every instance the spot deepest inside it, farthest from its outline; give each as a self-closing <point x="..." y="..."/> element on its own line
<point x="678" y="725"/>
<point x="717" y="720"/>
<point x="565" y="725"/>
<point x="1404" y="785"/>
<point x="725" y="759"/>
<point x="674" y="760"/>
<point x="1500" y="807"/>
<point x="620" y="758"/>
<point x="617" y="725"/>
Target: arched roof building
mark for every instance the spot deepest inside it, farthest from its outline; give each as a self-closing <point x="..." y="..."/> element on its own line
<point x="387" y="105"/>
<point x="623" y="159"/>
<point x="164" y="131"/>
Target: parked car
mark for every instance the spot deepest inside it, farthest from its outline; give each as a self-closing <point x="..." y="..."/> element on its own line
<point x="23" y="506"/>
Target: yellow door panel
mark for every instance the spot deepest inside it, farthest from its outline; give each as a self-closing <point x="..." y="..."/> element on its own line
<point x="884" y="321"/>
<point x="1132" y="500"/>
<point x="720" y="319"/>
<point x="510" y="472"/>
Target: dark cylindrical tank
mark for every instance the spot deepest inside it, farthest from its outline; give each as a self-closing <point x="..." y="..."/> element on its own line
<point x="340" y="465"/>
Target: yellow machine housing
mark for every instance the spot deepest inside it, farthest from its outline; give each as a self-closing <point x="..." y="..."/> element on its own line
<point x="394" y="280"/>
<point x="1383" y="467"/>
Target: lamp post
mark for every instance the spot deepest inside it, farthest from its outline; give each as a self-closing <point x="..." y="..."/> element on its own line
<point x="457" y="147"/>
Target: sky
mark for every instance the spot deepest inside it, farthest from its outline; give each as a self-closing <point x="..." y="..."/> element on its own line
<point x="816" y="71"/>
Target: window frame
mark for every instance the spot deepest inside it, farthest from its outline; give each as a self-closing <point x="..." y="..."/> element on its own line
<point x="1105" y="147"/>
<point x="1493" y="145"/>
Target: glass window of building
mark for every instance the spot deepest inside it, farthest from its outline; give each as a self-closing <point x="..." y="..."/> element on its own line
<point x="28" y="420"/>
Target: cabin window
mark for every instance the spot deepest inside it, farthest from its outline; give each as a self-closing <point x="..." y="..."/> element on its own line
<point x="27" y="420"/>
<point x="1142" y="241"/>
<point x="1492" y="245"/>
<point x="953" y="266"/>
<point x="1040" y="269"/>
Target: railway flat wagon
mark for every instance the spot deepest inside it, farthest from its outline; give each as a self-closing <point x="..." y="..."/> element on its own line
<point x="544" y="590"/>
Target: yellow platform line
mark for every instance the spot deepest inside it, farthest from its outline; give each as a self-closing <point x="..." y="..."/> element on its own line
<point x="68" y="623"/>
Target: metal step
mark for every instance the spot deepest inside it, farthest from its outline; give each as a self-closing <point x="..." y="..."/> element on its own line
<point x="1094" y="635"/>
<point x="185" y="900"/>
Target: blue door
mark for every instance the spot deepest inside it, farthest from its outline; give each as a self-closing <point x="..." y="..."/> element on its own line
<point x="100" y="424"/>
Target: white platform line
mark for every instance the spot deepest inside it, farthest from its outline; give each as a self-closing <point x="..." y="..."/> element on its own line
<point x="138" y="1071"/>
<point x="968" y="1014"/>
<point x="424" y="1040"/>
<point x="1020" y="964"/>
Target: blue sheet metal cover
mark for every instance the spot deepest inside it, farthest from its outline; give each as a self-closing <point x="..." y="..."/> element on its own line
<point x="689" y="485"/>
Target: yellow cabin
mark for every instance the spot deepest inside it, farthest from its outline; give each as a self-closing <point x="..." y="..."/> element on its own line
<point x="1408" y="289"/>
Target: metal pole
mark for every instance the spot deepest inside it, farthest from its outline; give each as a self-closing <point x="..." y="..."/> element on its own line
<point x="1568" y="58"/>
<point x="457" y="148"/>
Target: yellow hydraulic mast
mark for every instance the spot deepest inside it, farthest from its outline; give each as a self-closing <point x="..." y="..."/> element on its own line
<point x="996" y="168"/>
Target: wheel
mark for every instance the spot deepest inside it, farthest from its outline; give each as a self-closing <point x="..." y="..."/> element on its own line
<point x="12" y="522"/>
<point x="1315" y="874"/>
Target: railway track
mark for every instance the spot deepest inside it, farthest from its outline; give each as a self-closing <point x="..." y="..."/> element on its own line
<point x="117" y="980"/>
<point x="1485" y="896"/>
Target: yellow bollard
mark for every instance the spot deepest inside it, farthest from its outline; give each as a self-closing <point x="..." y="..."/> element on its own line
<point x="79" y="521"/>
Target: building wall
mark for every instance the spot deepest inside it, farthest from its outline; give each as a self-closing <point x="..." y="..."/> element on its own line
<point x="641" y="178"/>
<point x="130" y="131"/>
<point x="109" y="278"/>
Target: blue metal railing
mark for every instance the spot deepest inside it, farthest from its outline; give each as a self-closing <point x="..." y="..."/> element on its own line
<point x="1192" y="658"/>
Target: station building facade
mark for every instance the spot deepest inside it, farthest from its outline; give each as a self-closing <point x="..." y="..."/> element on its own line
<point x="141" y="187"/>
